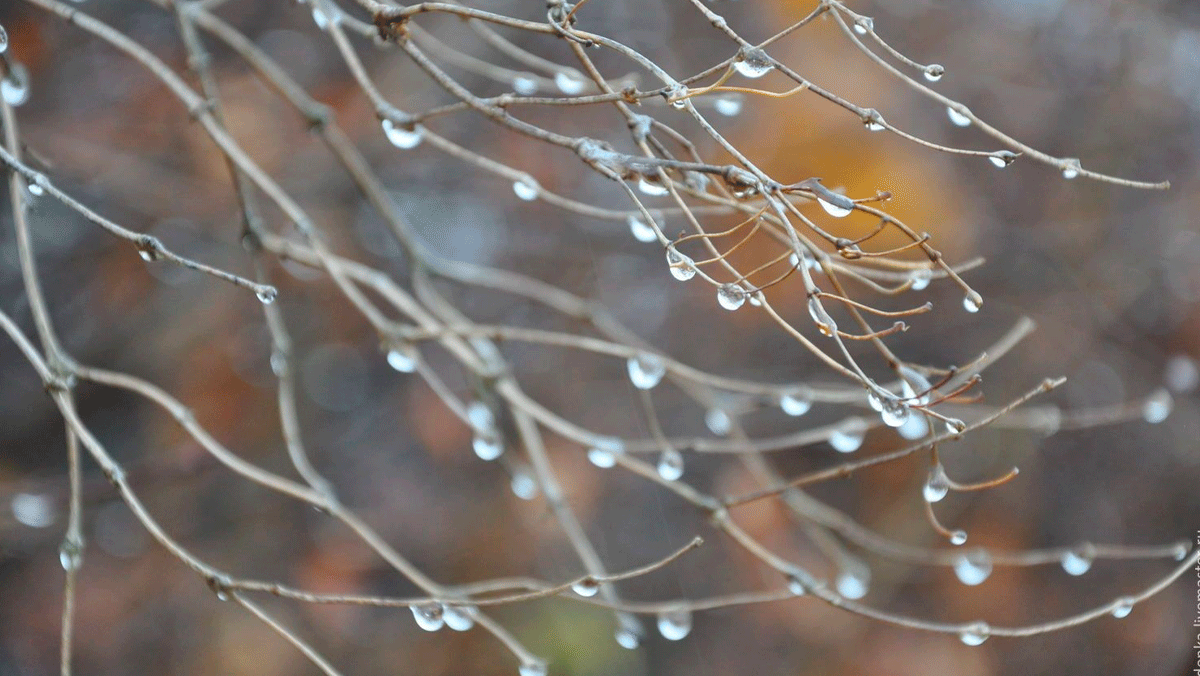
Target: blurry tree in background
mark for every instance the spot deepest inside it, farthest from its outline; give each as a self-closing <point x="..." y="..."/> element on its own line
<point x="629" y="336"/>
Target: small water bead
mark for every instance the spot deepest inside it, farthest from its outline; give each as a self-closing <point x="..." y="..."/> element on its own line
<point x="729" y="105"/>
<point x="854" y="580"/>
<point x="975" y="634"/>
<point x="1071" y="168"/>
<point x="919" y="279"/>
<point x="487" y="445"/>
<point x="1002" y="158"/>
<point x="629" y="631"/>
<point x="835" y="207"/>
<point x="873" y="121"/>
<point x="731" y="296"/>
<point x="718" y="421"/>
<point x="645" y="370"/>
<point x="937" y="485"/>
<point x="70" y="555"/>
<point x="670" y="465"/>
<point x="587" y="587"/>
<point x="682" y="267"/>
<point x="874" y="401"/>
<point x="848" y="436"/>
<point x="797" y="402"/>
<point x="955" y="426"/>
<point x="429" y="616"/>
<point x="604" y="453"/>
<point x="3" y="40"/>
<point x="864" y="25"/>
<point x="36" y="190"/>
<point x="525" y="84"/>
<point x="480" y="416"/>
<point x="267" y="295"/>
<point x="569" y="82"/>
<point x="821" y="318"/>
<point x="934" y="72"/>
<point x="675" y="625"/>
<point x="1181" y="550"/>
<point x="651" y="188"/>
<point x="532" y="669"/>
<point x="1079" y="560"/>
<point x="1122" y="607"/>
<point x="958" y="538"/>
<point x="677" y="96"/>
<point x="642" y="231"/>
<point x="402" y="138"/>
<point x="972" y="302"/>
<point x="459" y="618"/>
<point x="14" y="88"/>
<point x="754" y="63"/>
<point x="796" y="585"/>
<point x="973" y="567"/>
<point x="324" y="14"/>
<point x="523" y="485"/>
<point x="916" y="427"/>
<point x="403" y="358"/>
<point x="1157" y="407"/>
<point x="526" y="189"/>
<point x="957" y="118"/>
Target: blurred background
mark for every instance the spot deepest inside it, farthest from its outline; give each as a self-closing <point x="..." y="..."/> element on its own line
<point x="1111" y="275"/>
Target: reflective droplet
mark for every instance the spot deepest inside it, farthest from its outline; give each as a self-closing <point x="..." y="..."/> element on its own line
<point x="972" y="302"/>
<point x="1071" y="168"/>
<point x="526" y="189"/>
<point x="587" y="587"/>
<point x="3" y="40"/>
<point x="973" y="567"/>
<point x="874" y="401"/>
<point x="532" y="669"/>
<point x="957" y="118"/>
<point x="677" y="96"/>
<point x="873" y="121"/>
<point x="848" y="436"/>
<point x="1079" y="560"/>
<point x="682" y="267"/>
<point x="920" y="279"/>
<point x="840" y="210"/>
<point x="937" y="485"/>
<point x="36" y="190"/>
<point x="797" y="402"/>
<point x="402" y="138"/>
<point x="642" y="231"/>
<point x="70" y="555"/>
<point x="267" y="295"/>
<point x="796" y="585"/>
<point x="975" y="634"/>
<point x="14" y="89"/>
<point x="1158" y="407"/>
<point x="645" y="370"/>
<point x="487" y="445"/>
<point x="674" y="625"/>
<point x="754" y="63"/>
<point x="1181" y="550"/>
<point x="1122" y="607"/>
<point x="670" y="464"/>
<point x="1002" y="158"/>
<point x="569" y="83"/>
<point x="854" y="580"/>
<point x="731" y="296"/>
<point x="864" y="25"/>
<point x="958" y="538"/>
<point x="651" y="188"/>
<point x="325" y="13"/>
<point x="915" y="427"/>
<point x="480" y="416"/>
<point x="629" y="631"/>
<point x="894" y="413"/>
<point x="729" y="105"/>
<point x="428" y="616"/>
<point x="821" y="318"/>
<point x="934" y="72"/>
<point x="604" y="453"/>
<point x="718" y="421"/>
<point x="1181" y="374"/>
<point x="955" y="426"/>
<point x="523" y="485"/>
<point x="459" y="618"/>
<point x="403" y="358"/>
<point x="525" y="84"/>
<point x="147" y="255"/>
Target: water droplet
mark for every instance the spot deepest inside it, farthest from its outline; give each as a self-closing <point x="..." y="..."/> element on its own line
<point x="731" y="296"/>
<point x="874" y="401"/>
<point x="526" y="189"/>
<point x="975" y="634"/>
<point x="3" y="40"/>
<point x="1181" y="374"/>
<point x="651" y="188"/>
<point x="674" y="625"/>
<point x="677" y="96"/>
<point x="402" y="138"/>
<point x="796" y="585"/>
<point x="1079" y="560"/>
<point x="480" y="416"/>
<point x="821" y="318"/>
<point x="523" y="485"/>
<point x="915" y="427"/>
<point x="604" y="453"/>
<point x="853" y="580"/>
<point x="525" y="84"/>
<point x="1122" y="607"/>
<point x="864" y="25"/>
<point x="973" y="567"/>
<point x="729" y="105"/>
<point x="934" y="72"/>
<point x="428" y="616"/>
<point x="629" y="631"/>
<point x="718" y="421"/>
<point x="972" y="302"/>
<point x="920" y="279"/>
<point x="796" y="402"/>
<point x="642" y="231"/>
<point x="1181" y="550"/>
<point x="754" y="63"/>
<point x="1157" y="407"/>
<point x="682" y="267"/>
<point x="645" y="370"/>
<point x="1002" y="158"/>
<point x="459" y="618"/>
<point x="14" y="89"/>
<point x="70" y="555"/>
<point x="894" y="413"/>
<point x="873" y="121"/>
<point x="958" y="538"/>
<point x="848" y="436"/>
<point x="670" y="464"/>
<point x="36" y="190"/>
<point x="1070" y="168"/>
<point x="487" y="445"/>
<point x="955" y="426"/>
<point x="147" y="255"/>
<point x="957" y="118"/>
<point x="324" y="14"/>
<point x="403" y="358"/>
<point x="267" y="294"/>
<point x="532" y="669"/>
<point x="587" y="587"/>
<point x="840" y="210"/>
<point x="569" y="82"/>
<point x="937" y="485"/>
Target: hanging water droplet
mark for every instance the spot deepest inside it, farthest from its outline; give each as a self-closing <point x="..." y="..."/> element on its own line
<point x="677" y="96"/>
<point x="796" y="402"/>
<point x="1157" y="407"/>
<point x="958" y="538"/>
<point x="919" y="279"/>
<point x="1122" y="607"/>
<point x="532" y="669"/>
<point x="729" y="105"/>
<point x="1181" y="550"/>
<point x="864" y="25"/>
<point x="1071" y="168"/>
<point x="821" y="318"/>
<point x="428" y="616"/>
<point x="526" y="189"/>
<point x="839" y="210"/>
<point x="718" y="421"/>
<point x="973" y="567"/>
<point x="670" y="464"/>
<point x="147" y="255"/>
<point x="70" y="554"/>
<point x="651" y="188"/>
<point x="675" y="625"/>
<point x="642" y="231"/>
<point x="934" y="72"/>
<point x="848" y="436"/>
<point x="955" y="426"/>
<point x="459" y="618"/>
<point x="403" y="358"/>
<point x="682" y="267"/>
<point x="853" y="580"/>
<point x="629" y="631"/>
<point x="14" y="88"/>
<point x="1079" y="560"/>
<point x="487" y="445"/>
<point x="1002" y="158"/>
<point x="587" y="587"/>
<point x="604" y="453"/>
<point x="874" y="401"/>
<point x="873" y="121"/>
<point x="267" y="294"/>
<point x="523" y="485"/>
<point x="796" y="585"/>
<point x="525" y="84"/>
<point x="569" y="82"/>
<point x="325" y="13"/>
<point x="36" y="190"/>
<point x="972" y="302"/>
<point x="957" y="118"/>
<point x="645" y="370"/>
<point x="480" y="416"/>
<point x="915" y="427"/>
<point x="3" y="40"/>
<point x="937" y="485"/>
<point x="731" y="296"/>
<point x="975" y="634"/>
<point x="402" y="138"/>
<point x="894" y="413"/>
<point x="754" y="63"/>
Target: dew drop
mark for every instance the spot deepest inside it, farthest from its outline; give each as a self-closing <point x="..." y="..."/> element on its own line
<point x="920" y="279"/>
<point x="1071" y="168"/>
<point x="569" y="82"/>
<point x="525" y="84"/>
<point x="587" y="587"/>
<point x="429" y="616"/>
<point x="526" y="189"/>
<point x="677" y="97"/>
<point x="14" y="89"/>
<point x="916" y="427"/>
<point x="324" y="14"/>
<point x="267" y="295"/>
<point x="836" y="210"/>
<point x="402" y="358"/>
<point x="651" y="188"/>
<point x="934" y="72"/>
<point x="796" y="402"/>
<point x="487" y="445"/>
<point x="645" y="370"/>
<point x="731" y="296"/>
<point x="480" y="416"/>
<point x="36" y="190"/>
<point x="894" y="413"/>
<point x="972" y="302"/>
<point x="729" y="105"/>
<point x="821" y="318"/>
<point x="1079" y="560"/>
<point x="629" y="631"/>
<point x="3" y="40"/>
<point x="973" y="567"/>
<point x="873" y="121"/>
<point x="402" y="138"/>
<point x="459" y="618"/>
<point x="958" y="538"/>
<point x="532" y="669"/>
<point x="605" y="451"/>
<point x="1157" y="407"/>
<point x="1122" y="607"/>
<point x="1182" y="374"/>
<point x="854" y="580"/>
<point x="848" y="436"/>
<point x="975" y="634"/>
<point x="147" y="255"/>
<point x="523" y="485"/>
<point x="864" y="25"/>
<point x="1181" y="550"/>
<point x="796" y="585"/>
<point x="957" y="118"/>
<point x="718" y="421"/>
<point x="1002" y="158"/>
<point x="70" y="555"/>
<point x="754" y="63"/>
<point x="955" y="426"/>
<point x="670" y="464"/>
<point x="937" y="485"/>
<point x="641" y="230"/>
<point x="675" y="625"/>
<point x="874" y="401"/>
<point x="682" y="267"/>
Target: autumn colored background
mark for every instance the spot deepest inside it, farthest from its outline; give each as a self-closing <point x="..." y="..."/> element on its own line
<point x="1111" y="275"/>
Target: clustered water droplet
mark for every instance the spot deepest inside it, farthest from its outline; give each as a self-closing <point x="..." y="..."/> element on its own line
<point x="754" y="63"/>
<point x="973" y="567"/>
<point x="848" y="435"/>
<point x="731" y="296"/>
<point x="645" y="370"/>
<point x="682" y="267"/>
<point x="403" y="138"/>
<point x="676" y="624"/>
